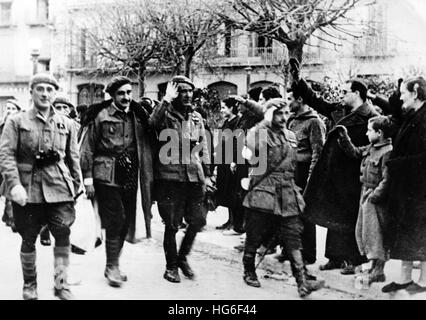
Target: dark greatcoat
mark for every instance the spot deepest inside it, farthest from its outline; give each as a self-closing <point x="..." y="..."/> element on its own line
<point x="145" y="138"/>
<point x="226" y="180"/>
<point x="333" y="190"/>
<point x="406" y="232"/>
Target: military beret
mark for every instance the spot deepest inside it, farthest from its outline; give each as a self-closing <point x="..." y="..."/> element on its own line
<point x="183" y="79"/>
<point x="14" y="102"/>
<point x="116" y="83"/>
<point x="63" y="100"/>
<point x="43" y="78"/>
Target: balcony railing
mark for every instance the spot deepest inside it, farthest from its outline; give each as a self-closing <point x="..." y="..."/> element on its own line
<point x="252" y="56"/>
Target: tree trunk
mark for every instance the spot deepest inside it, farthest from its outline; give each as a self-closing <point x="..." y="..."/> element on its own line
<point x="188" y="61"/>
<point x="296" y="50"/>
<point x="141" y="80"/>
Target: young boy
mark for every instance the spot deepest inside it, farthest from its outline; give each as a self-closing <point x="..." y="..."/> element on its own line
<point x="374" y="179"/>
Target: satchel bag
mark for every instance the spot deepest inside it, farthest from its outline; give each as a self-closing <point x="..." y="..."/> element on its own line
<point x="126" y="173"/>
<point x="263" y="198"/>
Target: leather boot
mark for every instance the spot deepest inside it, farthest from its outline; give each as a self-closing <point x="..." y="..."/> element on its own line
<point x="123" y="276"/>
<point x="28" y="263"/>
<point x="185" y="249"/>
<point x="172" y="275"/>
<point x="304" y="286"/>
<point x="185" y="267"/>
<point x="250" y="276"/>
<point x="61" y="264"/>
<point x="112" y="271"/>
<point x="378" y="274"/>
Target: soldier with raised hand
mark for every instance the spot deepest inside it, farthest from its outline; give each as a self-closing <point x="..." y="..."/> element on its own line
<point x="182" y="172"/>
<point x="273" y="202"/>
<point x="39" y="161"/>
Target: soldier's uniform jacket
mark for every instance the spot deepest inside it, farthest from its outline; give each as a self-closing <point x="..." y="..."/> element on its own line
<point x="186" y="130"/>
<point x="111" y="133"/>
<point x="24" y="135"/>
<point x="277" y="192"/>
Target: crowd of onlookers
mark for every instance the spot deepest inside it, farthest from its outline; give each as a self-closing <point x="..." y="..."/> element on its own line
<point x="359" y="162"/>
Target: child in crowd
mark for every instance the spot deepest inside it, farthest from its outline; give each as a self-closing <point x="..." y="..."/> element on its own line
<point x="374" y="179"/>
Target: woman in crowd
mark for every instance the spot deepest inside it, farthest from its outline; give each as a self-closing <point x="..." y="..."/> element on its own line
<point x="226" y="178"/>
<point x="406" y="233"/>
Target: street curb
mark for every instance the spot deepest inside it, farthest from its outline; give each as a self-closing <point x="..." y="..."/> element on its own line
<point x="333" y="279"/>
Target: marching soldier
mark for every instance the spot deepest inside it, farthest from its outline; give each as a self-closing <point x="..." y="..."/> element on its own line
<point x="115" y="151"/>
<point x="273" y="202"/>
<point x="180" y="182"/>
<point x="39" y="161"/>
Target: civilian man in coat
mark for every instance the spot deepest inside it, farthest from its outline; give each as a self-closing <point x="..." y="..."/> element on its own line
<point x="333" y="190"/>
<point x="39" y="161"/>
<point x="182" y="172"/>
<point x="310" y="132"/>
<point x="116" y="152"/>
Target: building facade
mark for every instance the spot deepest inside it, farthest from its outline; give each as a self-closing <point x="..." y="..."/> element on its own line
<point x="26" y="33"/>
<point x="52" y="36"/>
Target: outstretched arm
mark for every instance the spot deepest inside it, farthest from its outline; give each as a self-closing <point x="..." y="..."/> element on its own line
<point x="346" y="144"/>
<point x="309" y="96"/>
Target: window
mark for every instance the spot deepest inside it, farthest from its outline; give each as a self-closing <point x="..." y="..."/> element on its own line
<point x="42" y="10"/>
<point x="84" y="96"/>
<point x="90" y="93"/>
<point x="259" y="45"/>
<point x="5" y="13"/>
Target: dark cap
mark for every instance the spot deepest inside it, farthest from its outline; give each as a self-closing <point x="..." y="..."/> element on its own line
<point x="14" y="102"/>
<point x="63" y="100"/>
<point x="116" y="83"/>
<point x="183" y="79"/>
<point x="43" y="78"/>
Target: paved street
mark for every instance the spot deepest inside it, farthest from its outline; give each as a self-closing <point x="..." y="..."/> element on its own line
<point x="217" y="264"/>
<point x="218" y="279"/>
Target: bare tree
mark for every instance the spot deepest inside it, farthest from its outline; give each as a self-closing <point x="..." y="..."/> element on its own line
<point x="184" y="27"/>
<point x="291" y="22"/>
<point x="122" y="38"/>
